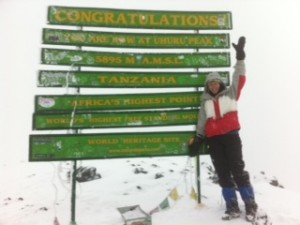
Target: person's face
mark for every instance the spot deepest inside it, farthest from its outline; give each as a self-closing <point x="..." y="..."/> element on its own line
<point x="214" y="87"/>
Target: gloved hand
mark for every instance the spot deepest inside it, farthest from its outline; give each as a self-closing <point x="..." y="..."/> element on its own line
<point x="239" y="48"/>
<point x="195" y="144"/>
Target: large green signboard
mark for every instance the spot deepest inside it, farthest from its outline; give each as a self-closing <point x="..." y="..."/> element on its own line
<point x="135" y="60"/>
<point x="72" y="103"/>
<point x="135" y="40"/>
<point x="101" y="146"/>
<point x="114" y="119"/>
<point x="100" y="17"/>
<point x="123" y="79"/>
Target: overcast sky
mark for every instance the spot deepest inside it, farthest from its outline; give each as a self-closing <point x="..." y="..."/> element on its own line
<point x="269" y="105"/>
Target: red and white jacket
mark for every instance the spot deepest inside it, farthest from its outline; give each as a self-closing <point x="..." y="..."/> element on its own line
<point x="218" y="114"/>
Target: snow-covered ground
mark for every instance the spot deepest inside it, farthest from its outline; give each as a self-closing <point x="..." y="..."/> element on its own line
<point x="42" y="192"/>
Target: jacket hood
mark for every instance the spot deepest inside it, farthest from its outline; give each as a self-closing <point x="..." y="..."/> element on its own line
<point x="214" y="76"/>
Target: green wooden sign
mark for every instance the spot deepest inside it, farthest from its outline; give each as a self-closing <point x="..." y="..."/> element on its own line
<point x="99" y="79"/>
<point x="102" y="17"/>
<point x="114" y="119"/>
<point x="135" y="60"/>
<point x="72" y="103"/>
<point x="101" y="146"/>
<point x="135" y="40"/>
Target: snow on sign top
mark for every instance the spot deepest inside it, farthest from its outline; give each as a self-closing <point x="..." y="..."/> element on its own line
<point x="139" y="18"/>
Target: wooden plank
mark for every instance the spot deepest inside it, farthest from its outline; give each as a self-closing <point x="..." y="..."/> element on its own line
<point x="135" y="40"/>
<point x="104" y="146"/>
<point x="126" y="18"/>
<point x="105" y="79"/>
<point x="135" y="60"/>
<point x="114" y="119"/>
<point x="80" y="103"/>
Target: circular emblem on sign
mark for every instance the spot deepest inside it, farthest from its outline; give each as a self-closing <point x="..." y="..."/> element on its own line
<point x="46" y="102"/>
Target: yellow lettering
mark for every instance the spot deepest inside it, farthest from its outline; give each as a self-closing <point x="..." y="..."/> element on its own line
<point x="133" y="18"/>
<point x="190" y="116"/>
<point x="85" y="16"/>
<point x="65" y="120"/>
<point x="121" y="19"/>
<point x="183" y="22"/>
<point x="99" y="39"/>
<point x="142" y="41"/>
<point x="58" y="121"/>
<point x="191" y="99"/>
<point x="97" y="17"/>
<point x="95" y="102"/>
<point x="130" y="40"/>
<point x="73" y="16"/>
<point x="192" y="20"/>
<point x="175" y="19"/>
<point x="103" y="79"/>
<point x="170" y="41"/>
<point x="130" y="60"/>
<point x="143" y="19"/>
<point x="124" y="80"/>
<point x="103" y="141"/>
<point x="148" y="19"/>
<point x="152" y="20"/>
<point x="108" y="120"/>
<point x="133" y="119"/>
<point x="60" y="15"/>
<point x="137" y="80"/>
<point x="157" y="60"/>
<point x="203" y="20"/>
<point x="214" y="21"/>
<point x="78" y="37"/>
<point x="164" y="20"/>
<point x="109" y="18"/>
<point x="141" y="140"/>
<point x="171" y="139"/>
<point x="145" y="101"/>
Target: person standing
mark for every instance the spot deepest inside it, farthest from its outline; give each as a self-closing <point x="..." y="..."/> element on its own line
<point x="218" y="125"/>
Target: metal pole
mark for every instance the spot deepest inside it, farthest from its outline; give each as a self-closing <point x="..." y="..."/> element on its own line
<point x="73" y="197"/>
<point x="198" y="181"/>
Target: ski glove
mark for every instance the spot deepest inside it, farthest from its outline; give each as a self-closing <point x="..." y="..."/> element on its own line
<point x="195" y="144"/>
<point x="239" y="48"/>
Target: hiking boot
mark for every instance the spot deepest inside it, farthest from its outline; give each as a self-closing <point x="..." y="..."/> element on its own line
<point x="251" y="209"/>
<point x="232" y="211"/>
